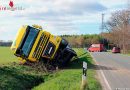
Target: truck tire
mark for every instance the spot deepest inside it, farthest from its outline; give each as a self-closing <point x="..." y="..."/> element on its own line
<point x="66" y="56"/>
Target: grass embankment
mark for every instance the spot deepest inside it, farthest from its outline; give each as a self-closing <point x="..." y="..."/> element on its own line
<point x="70" y="78"/>
<point x="17" y="77"/>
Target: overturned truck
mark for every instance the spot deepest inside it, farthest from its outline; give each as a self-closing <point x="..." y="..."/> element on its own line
<point x="32" y="44"/>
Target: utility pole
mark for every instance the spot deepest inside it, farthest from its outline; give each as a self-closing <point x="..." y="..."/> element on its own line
<point x="102" y="26"/>
<point x="128" y="4"/>
<point x="128" y="8"/>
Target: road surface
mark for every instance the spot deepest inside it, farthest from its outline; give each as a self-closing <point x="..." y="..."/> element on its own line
<point x="113" y="69"/>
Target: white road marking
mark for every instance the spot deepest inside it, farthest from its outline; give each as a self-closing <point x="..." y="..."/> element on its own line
<point x="104" y="78"/>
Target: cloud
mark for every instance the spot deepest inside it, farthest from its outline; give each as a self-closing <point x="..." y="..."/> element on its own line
<point x="89" y="7"/>
<point x="6" y="34"/>
<point x="61" y="15"/>
<point x="112" y="3"/>
<point x="62" y="8"/>
<point x="57" y="16"/>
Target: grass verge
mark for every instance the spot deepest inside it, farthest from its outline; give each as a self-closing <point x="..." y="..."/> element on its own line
<point x="70" y="78"/>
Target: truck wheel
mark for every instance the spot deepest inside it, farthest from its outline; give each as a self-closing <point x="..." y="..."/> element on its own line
<point x="66" y="56"/>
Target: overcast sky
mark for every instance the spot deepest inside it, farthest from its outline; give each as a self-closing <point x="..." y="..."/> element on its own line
<point x="57" y="16"/>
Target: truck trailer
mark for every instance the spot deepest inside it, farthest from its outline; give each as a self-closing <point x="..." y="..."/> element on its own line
<point x="96" y="48"/>
<point x="33" y="44"/>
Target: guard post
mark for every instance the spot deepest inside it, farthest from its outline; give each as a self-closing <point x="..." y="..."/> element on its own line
<point x="84" y="83"/>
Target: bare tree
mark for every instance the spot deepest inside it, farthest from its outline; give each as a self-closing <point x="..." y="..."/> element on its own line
<point x="119" y="28"/>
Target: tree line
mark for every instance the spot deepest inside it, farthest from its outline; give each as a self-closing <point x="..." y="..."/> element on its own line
<point x="79" y="41"/>
<point x="5" y="43"/>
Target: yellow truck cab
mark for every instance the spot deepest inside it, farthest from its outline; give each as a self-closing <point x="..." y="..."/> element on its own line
<point x="34" y="44"/>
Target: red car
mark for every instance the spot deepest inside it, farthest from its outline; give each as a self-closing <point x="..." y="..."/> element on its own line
<point x="116" y="50"/>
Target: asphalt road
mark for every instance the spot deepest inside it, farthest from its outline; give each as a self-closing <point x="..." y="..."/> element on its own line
<point x="114" y="70"/>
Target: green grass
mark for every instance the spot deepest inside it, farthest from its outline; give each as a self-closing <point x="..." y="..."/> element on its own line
<point x="17" y="77"/>
<point x="6" y="56"/>
<point x="70" y="77"/>
<point x="128" y="53"/>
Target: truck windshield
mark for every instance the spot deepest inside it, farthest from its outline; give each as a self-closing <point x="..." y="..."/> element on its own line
<point x="29" y="41"/>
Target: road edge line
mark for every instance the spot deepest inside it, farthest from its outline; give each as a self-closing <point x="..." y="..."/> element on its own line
<point x="104" y="78"/>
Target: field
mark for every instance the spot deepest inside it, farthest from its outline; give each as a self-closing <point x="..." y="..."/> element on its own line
<point x="23" y="77"/>
<point x="6" y="56"/>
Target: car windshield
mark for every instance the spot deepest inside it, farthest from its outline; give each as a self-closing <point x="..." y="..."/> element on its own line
<point x="29" y="41"/>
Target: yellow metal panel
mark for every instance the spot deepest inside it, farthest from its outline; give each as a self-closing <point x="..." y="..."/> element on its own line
<point x="34" y="47"/>
<point x="18" y="38"/>
<point x="56" y="41"/>
<point x="48" y="35"/>
<point x="35" y="44"/>
<point x="22" y="61"/>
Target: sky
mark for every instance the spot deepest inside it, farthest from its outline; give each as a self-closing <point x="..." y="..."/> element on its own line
<point x="58" y="17"/>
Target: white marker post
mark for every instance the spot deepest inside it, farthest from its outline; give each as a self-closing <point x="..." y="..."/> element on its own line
<point x="84" y="77"/>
